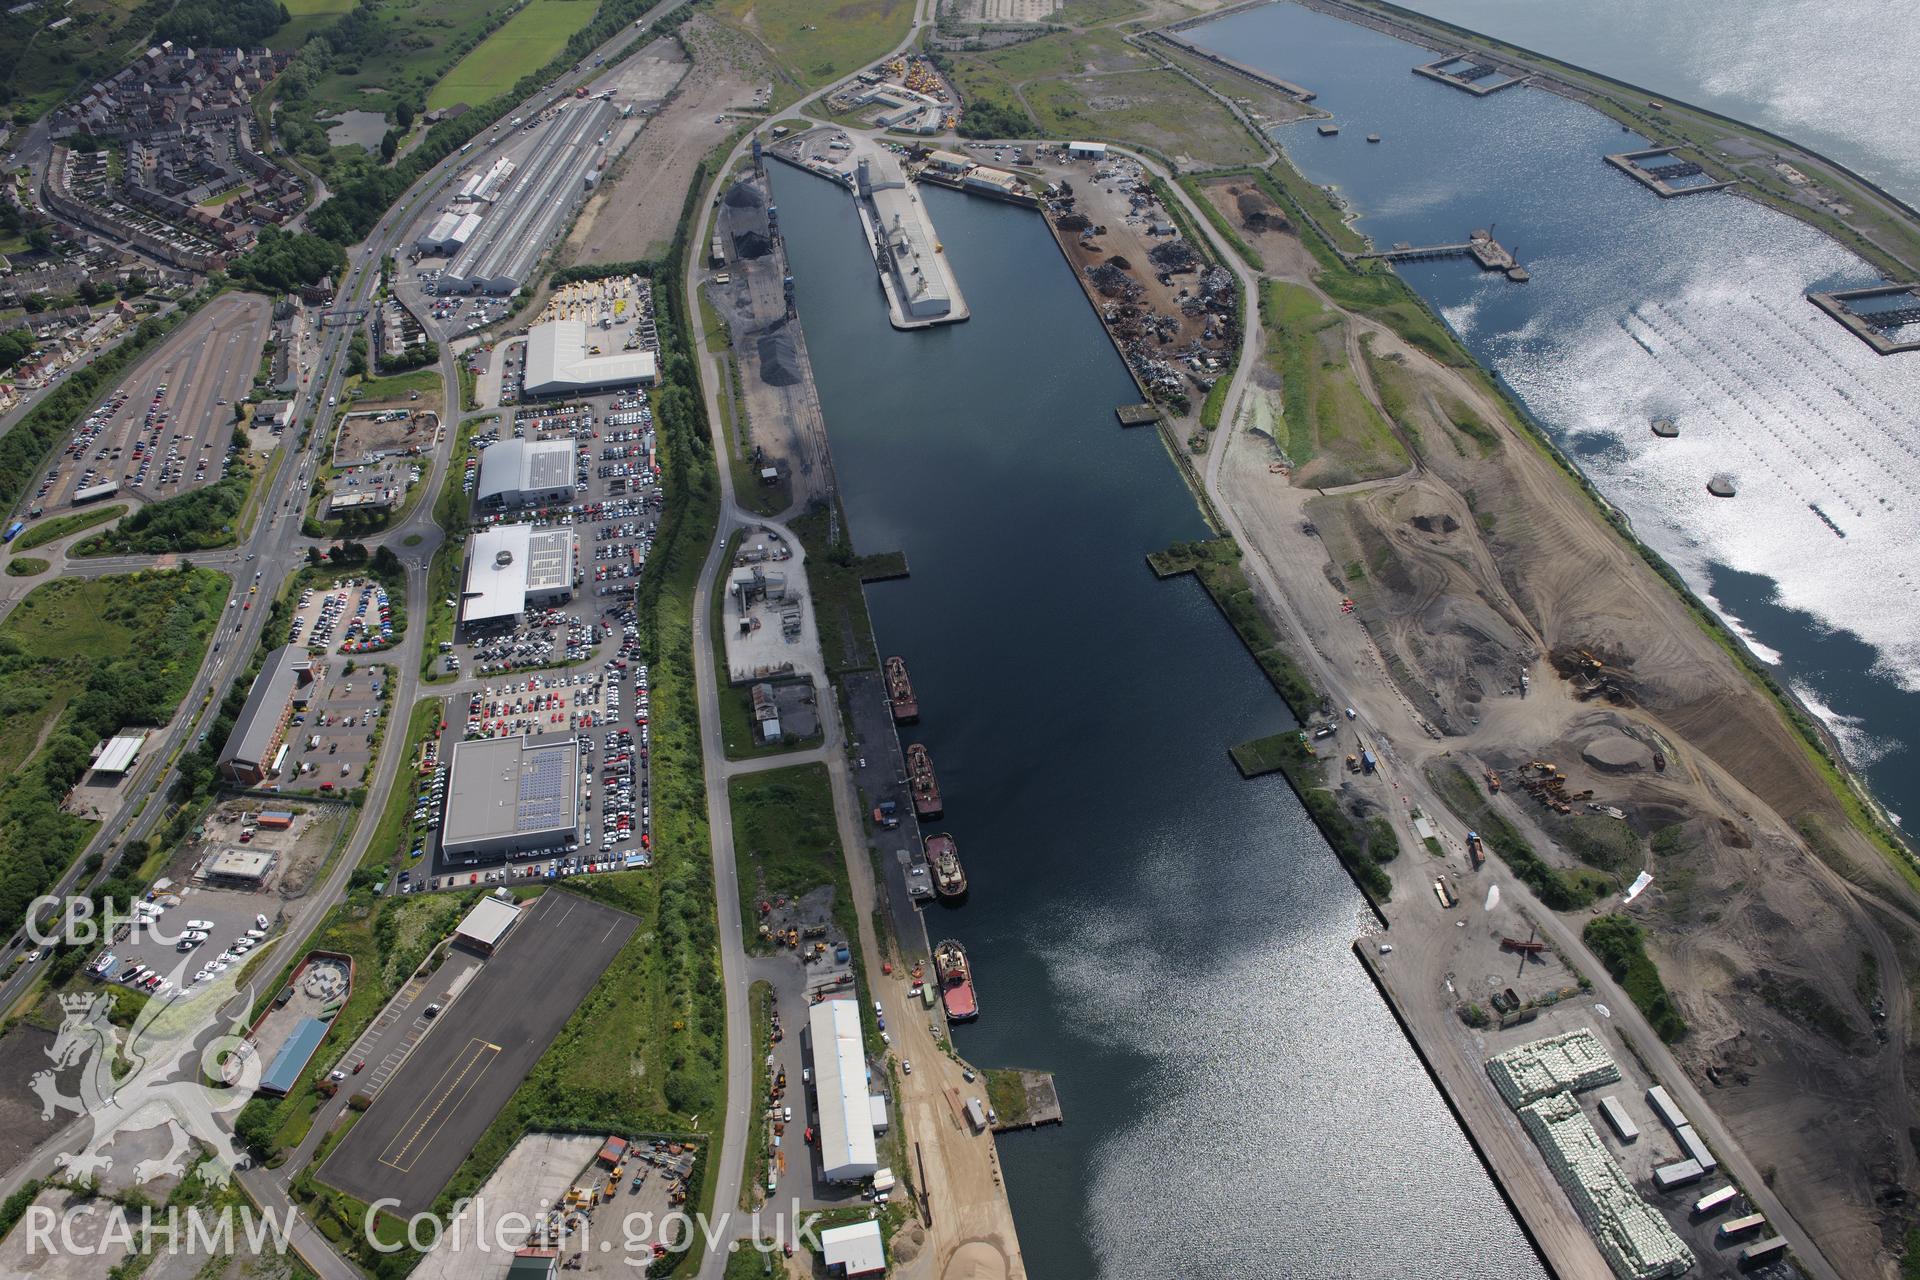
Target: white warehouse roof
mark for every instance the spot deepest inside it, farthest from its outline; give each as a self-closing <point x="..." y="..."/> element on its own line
<point x="514" y="468"/>
<point x="856" y="1249"/>
<point x="510" y="562"/>
<point x="558" y="362"/>
<point x="847" y="1149"/>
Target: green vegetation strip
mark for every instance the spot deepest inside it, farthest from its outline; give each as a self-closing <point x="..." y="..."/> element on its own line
<point x="26" y="567"/>
<point x="529" y="39"/>
<point x="450" y="512"/>
<point x="760" y="1009"/>
<point x="80" y="659"/>
<point x="1007" y="1095"/>
<point x="200" y="520"/>
<point x="1621" y="946"/>
<point x="1560" y="890"/>
<point x="59" y="527"/>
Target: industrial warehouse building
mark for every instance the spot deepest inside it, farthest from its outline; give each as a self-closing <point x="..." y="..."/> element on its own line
<point x="854" y="1250"/>
<point x="534" y="205"/>
<point x="245" y="869"/>
<point x="508" y="796"/>
<point x="847" y="1152"/>
<point x="253" y="748"/>
<point x="486" y="926"/>
<point x="915" y="278"/>
<point x="560" y="361"/>
<point x="513" y="566"/>
<point x="450" y="233"/>
<point x="525" y="473"/>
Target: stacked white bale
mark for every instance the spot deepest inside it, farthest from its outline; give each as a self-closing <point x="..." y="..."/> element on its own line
<point x="1570" y="1062"/>
<point x="1631" y="1234"/>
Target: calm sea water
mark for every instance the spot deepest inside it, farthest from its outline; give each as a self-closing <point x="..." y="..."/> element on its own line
<point x="1830" y="77"/>
<point x="1172" y="941"/>
<point x="1690" y="308"/>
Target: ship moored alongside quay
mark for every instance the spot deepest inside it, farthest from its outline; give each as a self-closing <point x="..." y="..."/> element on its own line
<point x="906" y="707"/>
<point x="949" y="877"/>
<point x="924" y="783"/>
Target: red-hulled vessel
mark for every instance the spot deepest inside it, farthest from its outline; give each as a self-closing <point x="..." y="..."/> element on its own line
<point x="949" y="877"/>
<point x="956" y="982"/>
<point x="925" y="786"/>
<point x="906" y="707"/>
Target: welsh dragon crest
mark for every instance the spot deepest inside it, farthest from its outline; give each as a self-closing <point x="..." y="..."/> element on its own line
<point x="158" y="1074"/>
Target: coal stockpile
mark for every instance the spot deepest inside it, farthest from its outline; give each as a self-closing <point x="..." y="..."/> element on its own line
<point x="747" y="219"/>
<point x="779" y="358"/>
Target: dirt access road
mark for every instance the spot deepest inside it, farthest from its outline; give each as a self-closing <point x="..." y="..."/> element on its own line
<point x="629" y="219"/>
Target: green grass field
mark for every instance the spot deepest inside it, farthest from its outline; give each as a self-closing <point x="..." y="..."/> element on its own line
<point x="816" y="43"/>
<point x="39" y="67"/>
<point x="528" y="40"/>
<point x="398" y="390"/>
<point x="1069" y="89"/>
<point x="26" y="566"/>
<point x="308" y="16"/>
<point x="1334" y="435"/>
<point x="420" y="45"/>
<point x="784" y="838"/>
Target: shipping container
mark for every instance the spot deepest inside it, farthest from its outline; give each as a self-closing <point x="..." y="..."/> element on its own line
<point x="977" y="1114"/>
<point x="1734" y="1228"/>
<point x="1663" y="1106"/>
<point x="1617" y="1116"/>
<point x="1690" y="1140"/>
<point x="1766" y="1251"/>
<point x="1714" y="1201"/>
<point x="1679" y="1174"/>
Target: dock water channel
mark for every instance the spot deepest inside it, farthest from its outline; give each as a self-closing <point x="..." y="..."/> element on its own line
<point x="1172" y="941"/>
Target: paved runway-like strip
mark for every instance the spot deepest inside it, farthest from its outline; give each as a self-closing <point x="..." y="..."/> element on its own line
<point x="446" y="1092"/>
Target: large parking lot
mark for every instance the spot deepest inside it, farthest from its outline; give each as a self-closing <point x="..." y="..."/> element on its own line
<point x="331" y="744"/>
<point x="169" y="427"/>
<point x="456" y="314"/>
<point x="188" y="936"/>
<point x="350" y="615"/>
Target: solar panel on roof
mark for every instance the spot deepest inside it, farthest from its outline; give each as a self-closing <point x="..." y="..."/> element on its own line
<point x="542" y="791"/>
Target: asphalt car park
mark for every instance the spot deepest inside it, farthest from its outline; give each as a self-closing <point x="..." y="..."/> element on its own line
<point x="184" y="940"/>
<point x="330" y="744"/>
<point x="483" y="1042"/>
<point x="169" y="427"/>
<point x="350" y="616"/>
